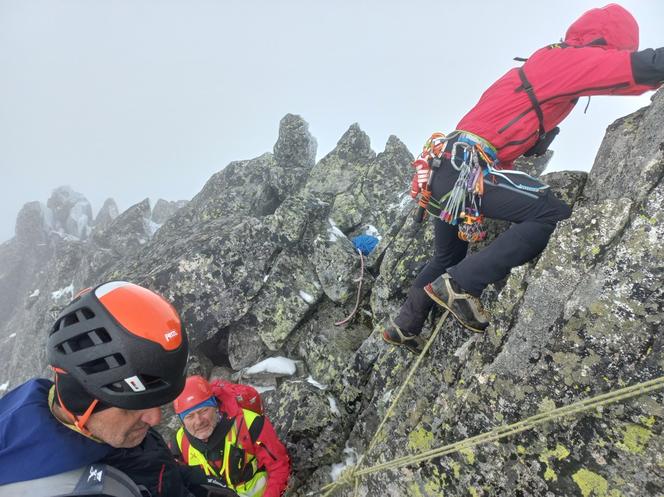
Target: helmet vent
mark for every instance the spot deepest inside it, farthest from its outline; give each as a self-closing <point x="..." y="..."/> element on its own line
<point x="68" y="320"/>
<point x="87" y="313"/>
<point x="84" y="341"/>
<point x="72" y="318"/>
<point x="103" y="364"/>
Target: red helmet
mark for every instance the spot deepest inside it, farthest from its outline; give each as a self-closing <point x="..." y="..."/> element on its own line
<point x="196" y="390"/>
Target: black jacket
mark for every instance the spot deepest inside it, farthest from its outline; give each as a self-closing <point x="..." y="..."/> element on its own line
<point x="151" y="464"/>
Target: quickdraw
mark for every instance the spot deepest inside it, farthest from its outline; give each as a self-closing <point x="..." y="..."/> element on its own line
<point x="461" y="206"/>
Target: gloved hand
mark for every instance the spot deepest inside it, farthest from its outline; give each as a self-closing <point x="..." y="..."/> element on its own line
<point x="421" y="176"/>
<point x="217" y="488"/>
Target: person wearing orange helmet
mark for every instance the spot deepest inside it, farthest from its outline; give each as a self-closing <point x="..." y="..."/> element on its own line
<point x="237" y="445"/>
<point x="118" y="352"/>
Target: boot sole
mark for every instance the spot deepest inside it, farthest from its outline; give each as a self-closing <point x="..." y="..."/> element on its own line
<point x="387" y="339"/>
<point x="442" y="303"/>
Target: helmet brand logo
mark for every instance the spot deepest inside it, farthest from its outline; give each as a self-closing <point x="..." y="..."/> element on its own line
<point x="170" y="334"/>
<point x="135" y="384"/>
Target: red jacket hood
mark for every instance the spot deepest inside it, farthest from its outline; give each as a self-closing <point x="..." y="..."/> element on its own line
<point x="612" y="23"/>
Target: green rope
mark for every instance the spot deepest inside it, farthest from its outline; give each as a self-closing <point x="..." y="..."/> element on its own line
<point x="412" y="371"/>
<point x="348" y="477"/>
<point x="505" y="431"/>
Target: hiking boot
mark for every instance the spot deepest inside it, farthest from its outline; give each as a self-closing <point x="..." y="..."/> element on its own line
<point x="466" y="308"/>
<point x="394" y="335"/>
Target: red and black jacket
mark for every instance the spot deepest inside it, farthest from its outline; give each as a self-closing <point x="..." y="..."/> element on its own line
<point x="598" y="57"/>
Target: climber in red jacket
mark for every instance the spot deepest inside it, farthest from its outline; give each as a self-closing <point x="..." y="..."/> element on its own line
<point x="473" y="176"/>
<point x="231" y="443"/>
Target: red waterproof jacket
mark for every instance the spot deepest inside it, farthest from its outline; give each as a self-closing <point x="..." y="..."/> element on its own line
<point x="593" y="60"/>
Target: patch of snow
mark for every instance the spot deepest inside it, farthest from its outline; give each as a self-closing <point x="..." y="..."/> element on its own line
<point x="371" y="230"/>
<point x="34" y="294"/>
<point x="66" y="236"/>
<point x="151" y="227"/>
<point x="78" y="221"/>
<point x="261" y="389"/>
<point x="4" y="386"/>
<point x="277" y="365"/>
<point x="12" y="335"/>
<point x="333" y="406"/>
<point x="308" y="298"/>
<point x="402" y="203"/>
<point x="350" y="458"/>
<point x="334" y="232"/>
<point x="320" y="386"/>
<point x="58" y="294"/>
<point x="265" y="278"/>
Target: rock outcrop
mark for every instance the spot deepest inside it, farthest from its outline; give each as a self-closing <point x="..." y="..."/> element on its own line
<point x="260" y="263"/>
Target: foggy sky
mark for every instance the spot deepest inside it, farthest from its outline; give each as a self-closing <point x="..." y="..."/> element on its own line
<point x="134" y="98"/>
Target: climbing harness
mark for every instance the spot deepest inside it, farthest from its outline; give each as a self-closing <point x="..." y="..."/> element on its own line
<point x="461" y="206"/>
<point x="359" y="292"/>
<point x="475" y="160"/>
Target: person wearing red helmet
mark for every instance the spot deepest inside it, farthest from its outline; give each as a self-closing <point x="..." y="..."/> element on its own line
<point x="473" y="177"/>
<point x="118" y="352"/>
<point x="226" y="441"/>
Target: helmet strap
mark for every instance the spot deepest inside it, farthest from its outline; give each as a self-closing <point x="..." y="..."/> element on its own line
<point x="78" y="421"/>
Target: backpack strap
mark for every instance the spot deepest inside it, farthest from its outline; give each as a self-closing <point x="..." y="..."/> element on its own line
<point x="528" y="88"/>
<point x="256" y="428"/>
<point x="92" y="481"/>
<point x="182" y="443"/>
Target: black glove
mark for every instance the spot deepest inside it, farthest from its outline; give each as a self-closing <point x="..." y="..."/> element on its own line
<point x="217" y="488"/>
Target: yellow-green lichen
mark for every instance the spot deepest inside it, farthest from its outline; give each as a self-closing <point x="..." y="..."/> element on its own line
<point x="430" y="488"/>
<point x="520" y="449"/>
<point x="468" y="455"/>
<point x="433" y="487"/>
<point x="649" y="421"/>
<point x="420" y="439"/>
<point x="546" y="405"/>
<point x="590" y="483"/>
<point x="456" y="468"/>
<point x="593" y="485"/>
<point x="473" y="492"/>
<point x="559" y="453"/>
<point x="635" y="438"/>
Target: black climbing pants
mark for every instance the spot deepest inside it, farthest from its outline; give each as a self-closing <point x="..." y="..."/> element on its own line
<point x="534" y="215"/>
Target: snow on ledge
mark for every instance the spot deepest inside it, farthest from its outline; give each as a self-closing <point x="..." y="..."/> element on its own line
<point x="350" y="458"/>
<point x="275" y="365"/>
<point x="63" y="291"/>
<point x="307" y="297"/>
<point x="334" y="232"/>
<point x="319" y="386"/>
